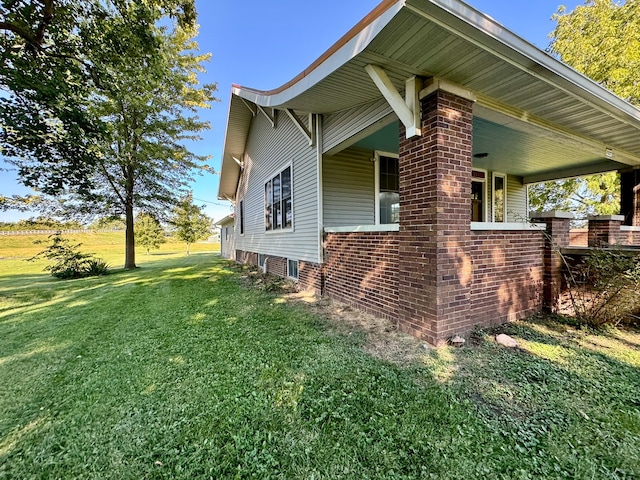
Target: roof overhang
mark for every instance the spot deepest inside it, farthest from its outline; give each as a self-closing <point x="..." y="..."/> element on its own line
<point x="517" y="86"/>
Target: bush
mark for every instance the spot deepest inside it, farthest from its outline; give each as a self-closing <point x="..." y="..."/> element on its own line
<point x="603" y="287"/>
<point x="68" y="261"/>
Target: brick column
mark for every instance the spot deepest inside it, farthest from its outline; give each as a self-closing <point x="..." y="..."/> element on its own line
<point x="434" y="264"/>
<point x="630" y="196"/>
<point x="556" y="238"/>
<point x="604" y="230"/>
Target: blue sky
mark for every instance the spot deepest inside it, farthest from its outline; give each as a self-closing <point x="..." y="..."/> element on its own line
<point x="263" y="44"/>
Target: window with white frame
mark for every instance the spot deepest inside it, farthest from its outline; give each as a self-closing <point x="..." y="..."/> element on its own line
<point x="387" y="188"/>
<point x="261" y="259"/>
<point x="292" y="269"/>
<point x="478" y="195"/>
<point x="499" y="197"/>
<point x="278" y="201"/>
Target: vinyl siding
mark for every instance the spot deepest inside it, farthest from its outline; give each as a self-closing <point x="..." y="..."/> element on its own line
<point x="516" y="199"/>
<point x="517" y="209"/>
<point x="341" y="126"/>
<point x="269" y="151"/>
<point x="349" y="188"/>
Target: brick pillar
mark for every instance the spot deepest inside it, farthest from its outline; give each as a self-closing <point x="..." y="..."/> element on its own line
<point x="556" y="238"/>
<point x="434" y="265"/>
<point x="604" y="230"/>
<point x="630" y="196"/>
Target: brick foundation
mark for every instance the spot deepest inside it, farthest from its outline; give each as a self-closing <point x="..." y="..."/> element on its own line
<point x="310" y="275"/>
<point x="362" y="271"/>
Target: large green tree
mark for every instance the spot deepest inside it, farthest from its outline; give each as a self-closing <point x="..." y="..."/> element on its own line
<point x="112" y="135"/>
<point x="602" y="40"/>
<point x="51" y="68"/>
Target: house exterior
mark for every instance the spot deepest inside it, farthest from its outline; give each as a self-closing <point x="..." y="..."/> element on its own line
<point x="392" y="173"/>
<point x="227" y="236"/>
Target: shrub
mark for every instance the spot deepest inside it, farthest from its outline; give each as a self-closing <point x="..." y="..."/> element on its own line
<point x="603" y="287"/>
<point x="68" y="261"/>
<point x="95" y="267"/>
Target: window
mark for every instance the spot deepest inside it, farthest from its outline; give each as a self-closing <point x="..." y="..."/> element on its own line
<point x="387" y="189"/>
<point x="278" y="201"/>
<point x="261" y="259"/>
<point x="241" y="217"/>
<point x="478" y="194"/>
<point x="499" y="196"/>
<point x="292" y="269"/>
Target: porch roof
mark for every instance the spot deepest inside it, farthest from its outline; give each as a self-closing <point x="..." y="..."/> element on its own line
<point x="531" y="109"/>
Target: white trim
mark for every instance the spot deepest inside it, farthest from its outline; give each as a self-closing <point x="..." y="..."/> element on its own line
<point x="514" y="226"/>
<point x="270" y="178"/>
<point x="495" y="175"/>
<point x="628" y="228"/>
<point x="389" y="227"/>
<point x="435" y="84"/>
<point x="297" y="268"/>
<point x="376" y="174"/>
<point x="485" y="200"/>
<point x="319" y="186"/>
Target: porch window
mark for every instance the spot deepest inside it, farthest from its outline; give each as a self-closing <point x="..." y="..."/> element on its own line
<point x="499" y="196"/>
<point x="278" y="201"/>
<point x="387" y="189"/>
<point x="478" y="195"/>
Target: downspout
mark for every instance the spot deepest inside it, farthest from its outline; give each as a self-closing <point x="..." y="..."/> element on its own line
<point x="320" y="199"/>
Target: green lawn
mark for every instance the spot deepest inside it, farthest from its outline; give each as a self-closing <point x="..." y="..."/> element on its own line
<point x="178" y="370"/>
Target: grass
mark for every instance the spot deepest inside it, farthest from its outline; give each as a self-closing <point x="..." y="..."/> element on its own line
<point x="178" y="370"/>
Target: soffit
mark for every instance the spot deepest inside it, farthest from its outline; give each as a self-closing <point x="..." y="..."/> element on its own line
<point x="527" y="89"/>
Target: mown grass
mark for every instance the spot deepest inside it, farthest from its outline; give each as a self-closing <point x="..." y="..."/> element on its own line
<point x="176" y="370"/>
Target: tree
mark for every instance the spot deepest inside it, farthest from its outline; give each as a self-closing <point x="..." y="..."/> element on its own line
<point x="190" y="223"/>
<point x="584" y="196"/>
<point x="602" y="40"/>
<point x="143" y="96"/>
<point x="149" y="233"/>
<point x="52" y="67"/>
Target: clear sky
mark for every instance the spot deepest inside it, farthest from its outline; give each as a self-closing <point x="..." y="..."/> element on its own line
<point x="263" y="44"/>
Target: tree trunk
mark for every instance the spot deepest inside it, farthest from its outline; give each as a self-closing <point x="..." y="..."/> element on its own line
<point x="188" y="248"/>
<point x="130" y="243"/>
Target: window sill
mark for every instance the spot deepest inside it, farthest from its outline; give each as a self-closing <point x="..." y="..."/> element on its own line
<point x="393" y="227"/>
<point x="280" y="230"/>
<point x="503" y="226"/>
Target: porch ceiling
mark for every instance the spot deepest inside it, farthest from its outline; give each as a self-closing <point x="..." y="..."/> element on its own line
<point x="534" y="114"/>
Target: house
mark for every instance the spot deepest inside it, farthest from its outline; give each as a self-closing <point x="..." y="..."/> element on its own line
<point x="227" y="233"/>
<point x="392" y="173"/>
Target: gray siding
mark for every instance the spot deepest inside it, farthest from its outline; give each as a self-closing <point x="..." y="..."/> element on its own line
<point x="227" y="243"/>
<point x="349" y="188"/>
<point x="341" y="126"/>
<point x="269" y="150"/>
<point x="516" y="200"/>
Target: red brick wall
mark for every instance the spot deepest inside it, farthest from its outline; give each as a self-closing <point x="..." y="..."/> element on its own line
<point x="508" y="272"/>
<point x="579" y="237"/>
<point x="311" y="277"/>
<point x="246" y="257"/>
<point x="435" y="216"/>
<point x="362" y="270"/>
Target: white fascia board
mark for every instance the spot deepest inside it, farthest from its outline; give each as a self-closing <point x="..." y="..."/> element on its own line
<point x="576" y="84"/>
<point x="348" y="51"/>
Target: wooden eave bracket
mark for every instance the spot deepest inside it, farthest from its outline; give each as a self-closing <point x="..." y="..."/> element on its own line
<point x="248" y="105"/>
<point x="407" y="109"/>
<point x="271" y="117"/>
<point x="238" y="161"/>
<point x="308" y="131"/>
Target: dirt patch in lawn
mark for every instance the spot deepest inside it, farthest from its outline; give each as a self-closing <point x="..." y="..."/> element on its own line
<point x="381" y="337"/>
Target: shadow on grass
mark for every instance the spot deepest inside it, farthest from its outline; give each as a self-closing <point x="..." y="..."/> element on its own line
<point x="567" y="397"/>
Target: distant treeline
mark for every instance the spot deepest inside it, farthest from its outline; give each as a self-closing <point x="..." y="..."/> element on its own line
<point x="48" y="224"/>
